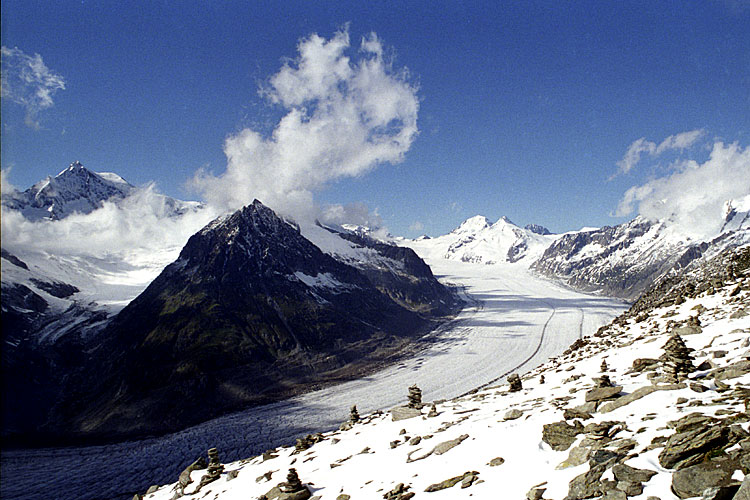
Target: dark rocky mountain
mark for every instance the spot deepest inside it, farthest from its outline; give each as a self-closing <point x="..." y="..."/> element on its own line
<point x="250" y="312"/>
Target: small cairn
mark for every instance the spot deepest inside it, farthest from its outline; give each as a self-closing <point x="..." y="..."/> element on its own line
<point x="415" y="397"/>
<point x="515" y="382"/>
<point x="293" y="483"/>
<point x="215" y="468"/>
<point x="604" y="368"/>
<point x="541" y="379"/>
<point x="433" y="411"/>
<point x="353" y="415"/>
<point x="677" y="361"/>
<point x="603" y="381"/>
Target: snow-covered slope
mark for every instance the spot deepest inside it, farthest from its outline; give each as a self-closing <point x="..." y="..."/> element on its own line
<point x="624" y="260"/>
<point x="479" y="240"/>
<point x="648" y="438"/>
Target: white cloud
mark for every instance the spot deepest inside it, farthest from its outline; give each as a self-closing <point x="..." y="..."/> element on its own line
<point x="6" y="188"/>
<point x="416" y="226"/>
<point x="27" y="81"/>
<point x="136" y="230"/>
<point x="641" y="146"/>
<point x="693" y="195"/>
<point x="344" y="115"/>
<point x="679" y="141"/>
<point x="351" y="213"/>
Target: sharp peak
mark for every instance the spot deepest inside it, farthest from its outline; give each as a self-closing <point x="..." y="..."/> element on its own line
<point x="76" y="166"/>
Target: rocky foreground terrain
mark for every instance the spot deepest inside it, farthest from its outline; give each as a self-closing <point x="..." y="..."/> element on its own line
<point x="654" y="405"/>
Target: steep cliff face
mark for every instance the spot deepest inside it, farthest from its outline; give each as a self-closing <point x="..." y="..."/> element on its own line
<point x="251" y="311"/>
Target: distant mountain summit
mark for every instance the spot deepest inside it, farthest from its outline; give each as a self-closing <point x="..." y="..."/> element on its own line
<point x="79" y="190"/>
<point x="479" y="240"/>
<point x="75" y="189"/>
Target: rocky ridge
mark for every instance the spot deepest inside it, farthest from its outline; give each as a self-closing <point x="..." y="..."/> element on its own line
<point x="632" y="431"/>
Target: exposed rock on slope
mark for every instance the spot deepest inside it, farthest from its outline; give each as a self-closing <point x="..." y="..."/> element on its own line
<point x="251" y="311"/>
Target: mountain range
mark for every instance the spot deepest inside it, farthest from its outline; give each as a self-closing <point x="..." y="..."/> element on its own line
<point x="257" y="307"/>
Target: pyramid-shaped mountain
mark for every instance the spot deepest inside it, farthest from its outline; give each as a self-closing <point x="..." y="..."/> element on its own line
<point x="251" y="311"/>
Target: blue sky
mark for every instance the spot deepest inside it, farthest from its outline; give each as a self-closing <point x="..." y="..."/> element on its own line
<point x="525" y="108"/>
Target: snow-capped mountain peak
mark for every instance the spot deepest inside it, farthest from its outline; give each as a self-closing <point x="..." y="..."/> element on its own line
<point x="75" y="189"/>
<point x="473" y="224"/>
<point x="479" y="240"/>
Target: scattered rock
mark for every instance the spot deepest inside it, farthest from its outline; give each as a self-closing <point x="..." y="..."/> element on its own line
<point x="638" y="394"/>
<point x="496" y="461"/>
<point x="449" y="483"/>
<point x="535" y="493"/>
<point x="642" y="364"/>
<point x="624" y="472"/>
<point x="441" y="448"/>
<point x="513" y="414"/>
<point x="571" y="413"/>
<point x="400" y="492"/>
<point x="560" y="435"/>
<point x="306" y="442"/>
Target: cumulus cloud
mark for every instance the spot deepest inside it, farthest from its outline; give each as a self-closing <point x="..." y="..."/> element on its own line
<point x="692" y="196"/>
<point x="136" y="233"/>
<point x="641" y="146"/>
<point x="27" y="81"/>
<point x="345" y="112"/>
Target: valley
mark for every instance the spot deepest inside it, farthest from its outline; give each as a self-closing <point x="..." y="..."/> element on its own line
<point x="514" y="322"/>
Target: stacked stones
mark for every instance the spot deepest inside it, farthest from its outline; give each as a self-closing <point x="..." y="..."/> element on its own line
<point x="603" y="368"/>
<point x="293" y="483"/>
<point x="676" y="360"/>
<point x="415" y="397"/>
<point x="603" y="381"/>
<point x="215" y="468"/>
<point x="515" y="382"/>
<point x="354" y="415"/>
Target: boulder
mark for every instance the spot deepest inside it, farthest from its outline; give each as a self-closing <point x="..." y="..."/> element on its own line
<point x="449" y="483"/>
<point x="694" y="480"/>
<point x="560" y="435"/>
<point x="602" y="393"/>
<point x="404" y="412"/>
<point x="638" y="394"/>
<point x="624" y="472"/>
<point x="513" y="414"/>
<point x="744" y="492"/>
<point x="695" y="435"/>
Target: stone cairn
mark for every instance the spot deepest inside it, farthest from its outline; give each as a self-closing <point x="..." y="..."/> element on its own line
<point x="541" y="379"/>
<point x="415" y="397"/>
<point x="604" y="368"/>
<point x="215" y="468"/>
<point x="677" y="361"/>
<point x="515" y="382"/>
<point x="293" y="483"/>
<point x="603" y="381"/>
<point x="353" y="415"/>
